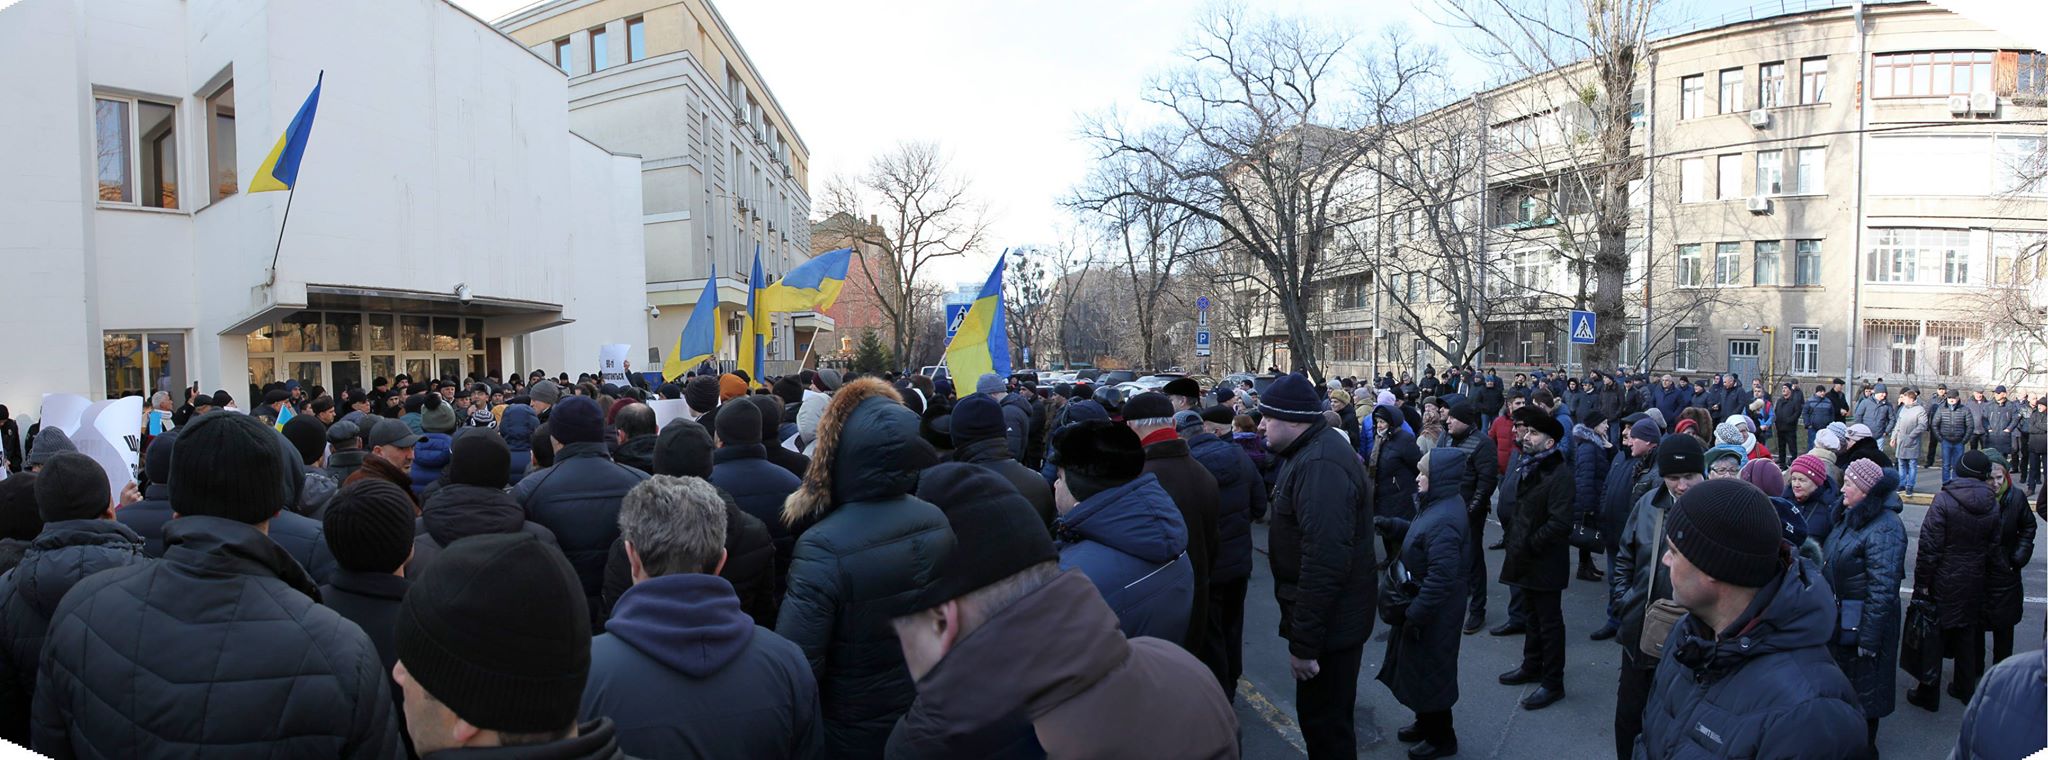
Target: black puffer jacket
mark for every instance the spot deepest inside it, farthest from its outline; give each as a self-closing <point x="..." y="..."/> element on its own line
<point x="1321" y="545"/>
<point x="759" y="487"/>
<point x="1865" y="563"/>
<point x="872" y="548"/>
<point x="1538" y="557"/>
<point x="578" y="499"/>
<point x="1421" y="665"/>
<point x="147" y="517"/>
<point x="1951" y="423"/>
<point x="459" y="510"/>
<point x="64" y="554"/>
<point x="994" y="454"/>
<point x="156" y="660"/>
<point x="1394" y="461"/>
<point x="749" y="566"/>
<point x="1016" y="422"/>
<point x="2005" y="720"/>
<point x="1958" y="538"/>
<point x="1240" y="492"/>
<point x="2005" y="595"/>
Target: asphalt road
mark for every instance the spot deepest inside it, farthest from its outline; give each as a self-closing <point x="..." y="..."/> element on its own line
<point x="1491" y="725"/>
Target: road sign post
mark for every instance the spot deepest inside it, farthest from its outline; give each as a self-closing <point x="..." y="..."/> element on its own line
<point x="1581" y="330"/>
<point x="955" y="312"/>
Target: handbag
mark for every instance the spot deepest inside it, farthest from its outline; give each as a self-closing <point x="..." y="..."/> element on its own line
<point x="1397" y="591"/>
<point x="1848" y="623"/>
<point x="1586" y="534"/>
<point x="1659" y="615"/>
<point x="1920" y="644"/>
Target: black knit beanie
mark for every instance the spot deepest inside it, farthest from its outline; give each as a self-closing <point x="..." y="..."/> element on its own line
<point x="771" y="416"/>
<point x="739" y="423"/>
<point x="1974" y="465"/>
<point x="71" y="486"/>
<point x="701" y="394"/>
<point x="19" y="518"/>
<point x="308" y="437"/>
<point x="229" y="466"/>
<point x="996" y="534"/>
<point x="500" y="633"/>
<point x="1729" y="530"/>
<point x="479" y="460"/>
<point x="368" y="525"/>
<point x="683" y="450"/>
<point x="1681" y="454"/>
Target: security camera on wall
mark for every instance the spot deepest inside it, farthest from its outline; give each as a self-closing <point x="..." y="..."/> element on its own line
<point x="462" y="292"/>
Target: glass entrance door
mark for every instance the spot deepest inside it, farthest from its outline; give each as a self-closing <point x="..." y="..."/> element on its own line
<point x="343" y="374"/>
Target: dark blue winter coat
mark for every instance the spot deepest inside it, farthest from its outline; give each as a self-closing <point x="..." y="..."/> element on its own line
<point x="683" y="672"/>
<point x="429" y="457"/>
<point x="1241" y="493"/>
<point x="1620" y="487"/>
<point x="517" y="428"/>
<point x="1817" y="413"/>
<point x="62" y="555"/>
<point x="147" y="517"/>
<point x="306" y="540"/>
<point x="1394" y="466"/>
<point x="759" y="487"/>
<point x="1131" y="543"/>
<point x="1818" y="510"/>
<point x="2004" y="720"/>
<point x="1421" y="665"/>
<point x="1865" y="563"/>
<point x="1765" y="687"/>
<point x="1592" y="457"/>
<point x="578" y="500"/>
<point x="1671" y="401"/>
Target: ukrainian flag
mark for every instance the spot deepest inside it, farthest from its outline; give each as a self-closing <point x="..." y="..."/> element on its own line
<point x="284" y="415"/>
<point x="699" y="339"/>
<point x="754" y="335"/>
<point x="981" y="345"/>
<point x="814" y="286"/>
<point x="280" y="170"/>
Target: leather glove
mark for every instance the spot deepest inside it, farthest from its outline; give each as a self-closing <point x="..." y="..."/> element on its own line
<point x="1383" y="524"/>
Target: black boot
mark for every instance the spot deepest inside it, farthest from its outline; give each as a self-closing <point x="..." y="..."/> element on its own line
<point x="1409" y="734"/>
<point x="1432" y="750"/>
<point x="1924" y="697"/>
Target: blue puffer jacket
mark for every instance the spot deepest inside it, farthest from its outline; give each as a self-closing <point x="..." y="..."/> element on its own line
<point x="1241" y="493"/>
<point x="578" y="499"/>
<point x="1818" y="413"/>
<point x="429" y="457"/>
<point x="62" y="555"/>
<point x="2004" y="720"/>
<point x="1865" y="563"/>
<point x="1130" y="541"/>
<point x="759" y="487"/>
<point x="1671" y="401"/>
<point x="1765" y="687"/>
<point x="1593" y="457"/>
<point x="517" y="428"/>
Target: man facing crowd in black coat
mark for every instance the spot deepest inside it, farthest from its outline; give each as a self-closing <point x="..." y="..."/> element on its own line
<point x="1322" y="557"/>
<point x="1481" y="477"/>
<point x="681" y="669"/>
<point x="1538" y="557"/>
<point x="1193" y="490"/>
<point x="155" y="638"/>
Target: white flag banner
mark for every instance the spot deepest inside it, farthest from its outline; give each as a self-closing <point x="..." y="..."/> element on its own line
<point x="611" y="362"/>
<point x="668" y="409"/>
<point x="63" y="411"/>
<point x="111" y="433"/>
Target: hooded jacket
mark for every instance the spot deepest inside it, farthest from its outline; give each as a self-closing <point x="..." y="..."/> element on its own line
<point x="681" y="671"/>
<point x="1016" y="422"/>
<point x="994" y="454"/>
<point x="1050" y="676"/>
<point x="1193" y="491"/>
<point x="156" y="659"/>
<point x="1421" y="665"/>
<point x="2004" y="720"/>
<point x="578" y="499"/>
<point x="1320" y="545"/>
<point x="459" y="510"/>
<point x="1958" y="539"/>
<point x="1865" y="563"/>
<point x="517" y="428"/>
<point x="1130" y="541"/>
<point x="1593" y="456"/>
<point x="429" y="457"/>
<point x="870" y="552"/>
<point x="62" y="555"/>
<point x="1763" y="688"/>
<point x="1240" y="494"/>
<point x="2003" y="588"/>
<point x="1394" y="459"/>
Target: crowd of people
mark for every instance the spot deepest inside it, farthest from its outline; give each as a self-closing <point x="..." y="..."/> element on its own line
<point x="830" y="565"/>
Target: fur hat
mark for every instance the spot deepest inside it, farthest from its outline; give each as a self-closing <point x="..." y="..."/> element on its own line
<point x="1183" y="386"/>
<point x="1096" y="455"/>
<point x="899" y="443"/>
<point x="1540" y="421"/>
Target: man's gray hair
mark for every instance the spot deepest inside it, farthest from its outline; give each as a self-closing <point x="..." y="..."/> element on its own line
<point x="676" y="525"/>
<point x="158" y="398"/>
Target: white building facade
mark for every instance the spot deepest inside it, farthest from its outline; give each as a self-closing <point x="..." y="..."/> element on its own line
<point x="453" y="225"/>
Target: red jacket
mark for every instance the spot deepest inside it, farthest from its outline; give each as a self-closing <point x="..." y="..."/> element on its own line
<point x="1503" y="435"/>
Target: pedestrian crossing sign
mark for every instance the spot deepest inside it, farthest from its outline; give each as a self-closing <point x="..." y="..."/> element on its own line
<point x="1582" y="327"/>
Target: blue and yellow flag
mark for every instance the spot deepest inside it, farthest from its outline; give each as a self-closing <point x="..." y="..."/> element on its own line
<point x="814" y="286"/>
<point x="280" y="170"/>
<point x="699" y="338"/>
<point x="754" y="335"/>
<point x="284" y="415"/>
<point x="981" y="345"/>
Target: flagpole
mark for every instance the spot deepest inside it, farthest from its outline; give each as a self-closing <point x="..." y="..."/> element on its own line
<point x="288" y="196"/>
<point x="806" y="358"/>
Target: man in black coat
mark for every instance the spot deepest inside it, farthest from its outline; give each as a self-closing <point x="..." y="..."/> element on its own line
<point x="977" y="432"/>
<point x="1193" y="490"/>
<point x="178" y="646"/>
<point x="634" y="429"/>
<point x="1241" y="498"/>
<point x="578" y="497"/>
<point x="1322" y="557"/>
<point x="681" y="669"/>
<point x="1481" y="477"/>
<point x="772" y="415"/>
<point x="1538" y="557"/>
<point x="369" y="527"/>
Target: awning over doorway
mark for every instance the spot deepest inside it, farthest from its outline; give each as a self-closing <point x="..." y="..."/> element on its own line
<point x="502" y="317"/>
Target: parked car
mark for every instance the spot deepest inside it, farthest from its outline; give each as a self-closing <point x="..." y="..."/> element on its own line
<point x="1116" y="376"/>
<point x="935" y="371"/>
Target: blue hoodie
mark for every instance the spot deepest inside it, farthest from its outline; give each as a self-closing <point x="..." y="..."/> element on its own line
<point x="683" y="672"/>
<point x="1130" y="541"/>
<point x="517" y="427"/>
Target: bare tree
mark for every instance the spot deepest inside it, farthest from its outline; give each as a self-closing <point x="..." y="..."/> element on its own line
<point x="926" y="212"/>
<point x="1070" y="268"/>
<point x="1582" y="57"/>
<point x="1027" y="299"/>
<point x="1259" y="136"/>
<point x="1147" y="239"/>
<point x="2015" y="303"/>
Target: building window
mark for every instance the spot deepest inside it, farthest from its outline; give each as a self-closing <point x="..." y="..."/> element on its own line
<point x="1770" y="172"/>
<point x="1767" y="261"/>
<point x="1905" y="350"/>
<point x="1806" y="350"/>
<point x="1685" y="342"/>
<point x="1692" y="180"/>
<point x="1928" y="74"/>
<point x="1806" y="262"/>
<point x="562" y="54"/>
<point x="1727" y="263"/>
<point x="2030" y="77"/>
<point x="1525" y="211"/>
<point x="1909" y="255"/>
<point x="136" y="152"/>
<point x="1689" y="265"/>
<point x="1813" y="80"/>
<point x="1812" y="171"/>
<point x="1728" y="172"/>
<point x="1770" y="85"/>
<point x="139" y="364"/>
<point x="1690" y="90"/>
<point x="636" y="39"/>
<point x="220" y="143"/>
<point x="2018" y="258"/>
<point x="1948" y="357"/>
<point x="600" y="53"/>
<point x="1731" y="91"/>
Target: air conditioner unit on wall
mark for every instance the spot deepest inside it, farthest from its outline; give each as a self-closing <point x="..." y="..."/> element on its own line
<point x="1984" y="103"/>
<point x="1959" y="105"/>
<point x="1760" y="118"/>
<point x="1760" y="204"/>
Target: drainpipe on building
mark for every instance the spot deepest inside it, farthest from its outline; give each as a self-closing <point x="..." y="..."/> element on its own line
<point x="1649" y="205"/>
<point x="1856" y="250"/>
<point x="1479" y="256"/>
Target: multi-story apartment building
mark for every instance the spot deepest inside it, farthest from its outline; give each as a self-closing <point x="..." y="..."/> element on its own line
<point x="723" y="170"/>
<point x="453" y="225"/>
<point x="1821" y="194"/>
